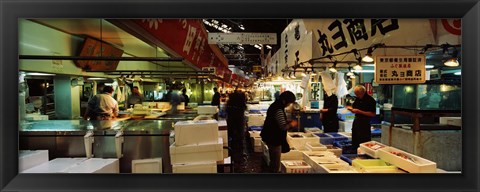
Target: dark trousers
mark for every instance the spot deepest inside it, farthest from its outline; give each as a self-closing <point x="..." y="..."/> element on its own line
<point x="361" y="132"/>
<point x="330" y="125"/>
<point x="236" y="131"/>
<point x="274" y="151"/>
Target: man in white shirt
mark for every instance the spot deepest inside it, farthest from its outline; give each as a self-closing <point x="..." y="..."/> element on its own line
<point x="102" y="106"/>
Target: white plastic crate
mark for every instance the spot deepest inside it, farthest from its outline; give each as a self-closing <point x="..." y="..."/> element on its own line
<point x="298" y="140"/>
<point x="196" y="132"/>
<point x="207" y="110"/>
<point x="58" y="165"/>
<point x="96" y="165"/>
<point x="147" y="165"/>
<point x="306" y="154"/>
<point x="31" y="158"/>
<point x="198" y="167"/>
<point x="196" y="153"/>
<point x="315" y="162"/>
<point x="407" y="161"/>
<point x="335" y="150"/>
<point x="315" y="146"/>
<point x="371" y="148"/>
<point x="295" y="166"/>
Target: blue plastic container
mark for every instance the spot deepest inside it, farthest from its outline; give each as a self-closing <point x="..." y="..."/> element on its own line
<point x="376" y="132"/>
<point x="337" y="137"/>
<point x="346" y="146"/>
<point x="349" y="157"/>
<point x="325" y="139"/>
<point x="255" y="128"/>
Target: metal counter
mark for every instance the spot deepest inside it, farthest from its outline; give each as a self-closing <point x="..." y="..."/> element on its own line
<point x="65" y="138"/>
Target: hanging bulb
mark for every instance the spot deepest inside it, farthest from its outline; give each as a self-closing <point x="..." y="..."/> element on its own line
<point x="358" y="67"/>
<point x="303" y="74"/>
<point x="453" y="62"/>
<point x="368" y="57"/>
<point x="293" y="76"/>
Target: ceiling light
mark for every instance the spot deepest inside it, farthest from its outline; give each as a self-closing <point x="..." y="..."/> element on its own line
<point x="453" y="62"/>
<point x="96" y="78"/>
<point x="333" y="69"/>
<point x="429" y="66"/>
<point x="368" y="57"/>
<point x="303" y="74"/>
<point x="357" y="67"/>
<point x="458" y="73"/>
<point x="293" y="76"/>
<point x="269" y="47"/>
<point x="40" y="74"/>
<point x="364" y="71"/>
<point x="353" y="76"/>
<point x="350" y="73"/>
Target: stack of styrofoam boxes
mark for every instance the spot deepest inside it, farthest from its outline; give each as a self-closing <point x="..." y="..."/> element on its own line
<point x="326" y="162"/>
<point x="345" y="126"/>
<point x="28" y="159"/>
<point x="327" y="140"/>
<point x="455" y="121"/>
<point x="77" y="165"/>
<point x="298" y="140"/>
<point x="224" y="135"/>
<point x="256" y="141"/>
<point x="345" y="120"/>
<point x="207" y="110"/>
<point x="147" y="165"/>
<point x="197" y="147"/>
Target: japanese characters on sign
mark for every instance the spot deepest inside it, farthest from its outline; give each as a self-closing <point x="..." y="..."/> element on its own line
<point x="350" y="31"/>
<point x="400" y="69"/>
<point x="242" y="38"/>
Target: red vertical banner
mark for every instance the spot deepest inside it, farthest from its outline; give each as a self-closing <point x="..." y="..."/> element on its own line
<point x="369" y="88"/>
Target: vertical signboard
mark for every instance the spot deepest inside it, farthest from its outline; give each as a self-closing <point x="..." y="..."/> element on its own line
<point x="400" y="69"/>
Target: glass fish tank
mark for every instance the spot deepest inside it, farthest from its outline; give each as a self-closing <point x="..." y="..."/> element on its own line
<point x="428" y="97"/>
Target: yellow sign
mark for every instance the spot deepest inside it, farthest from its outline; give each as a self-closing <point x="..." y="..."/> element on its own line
<point x="400" y="69"/>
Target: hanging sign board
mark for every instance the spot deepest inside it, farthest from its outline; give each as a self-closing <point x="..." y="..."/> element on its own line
<point x="400" y="69"/>
<point x="242" y="38"/>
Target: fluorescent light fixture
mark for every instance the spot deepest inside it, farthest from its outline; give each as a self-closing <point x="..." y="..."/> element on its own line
<point x="269" y="47"/>
<point x="96" y="78"/>
<point x="429" y="66"/>
<point x="369" y="65"/>
<point x="364" y="71"/>
<point x="40" y="74"/>
<point x="458" y="73"/>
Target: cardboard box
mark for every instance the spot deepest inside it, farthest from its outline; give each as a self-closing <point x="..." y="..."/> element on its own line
<point x="198" y="167"/>
<point x="196" y="153"/>
<point x="31" y="158"/>
<point x="407" y="161"/>
<point x="371" y="148"/>
<point x="295" y="166"/>
<point x="196" y="132"/>
<point x="147" y="165"/>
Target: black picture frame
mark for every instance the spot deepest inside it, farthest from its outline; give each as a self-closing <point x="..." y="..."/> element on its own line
<point x="11" y="11"/>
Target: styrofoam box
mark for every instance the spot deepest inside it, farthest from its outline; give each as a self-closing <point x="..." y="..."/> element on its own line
<point x="346" y="134"/>
<point x="256" y="144"/>
<point x="96" y="165"/>
<point x="206" y="109"/>
<point x="335" y="150"/>
<point x="418" y="165"/>
<point x="198" y="167"/>
<point x="457" y="121"/>
<point x="292" y="155"/>
<point x="315" y="146"/>
<point x="254" y="133"/>
<point x="336" y="168"/>
<point x="196" y="153"/>
<point x="196" y="132"/>
<point x="58" y="165"/>
<point x="224" y="135"/>
<point x="371" y="148"/>
<point x="295" y="166"/>
<point x="255" y="119"/>
<point x="300" y="142"/>
<point x="31" y="158"/>
<point x="345" y="126"/>
<point x="306" y="154"/>
<point x="147" y="165"/>
<point x="313" y="130"/>
<point x="373" y="166"/>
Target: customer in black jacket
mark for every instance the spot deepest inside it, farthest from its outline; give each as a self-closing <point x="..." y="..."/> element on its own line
<point x="274" y="132"/>
<point x="236" y="106"/>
